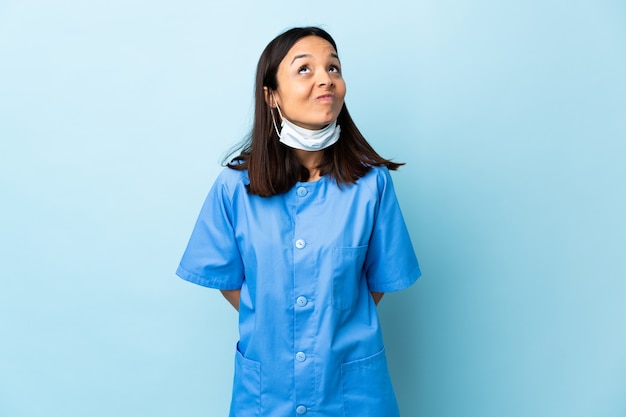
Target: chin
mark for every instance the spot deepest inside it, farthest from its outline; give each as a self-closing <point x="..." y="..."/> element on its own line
<point x="326" y="122"/>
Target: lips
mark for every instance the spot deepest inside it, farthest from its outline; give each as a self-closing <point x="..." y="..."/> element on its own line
<point x="325" y="97"/>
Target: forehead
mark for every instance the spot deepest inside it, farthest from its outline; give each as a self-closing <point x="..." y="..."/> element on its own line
<point x="310" y="45"/>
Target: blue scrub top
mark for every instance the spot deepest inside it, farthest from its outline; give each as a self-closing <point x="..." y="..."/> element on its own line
<point x="305" y="261"/>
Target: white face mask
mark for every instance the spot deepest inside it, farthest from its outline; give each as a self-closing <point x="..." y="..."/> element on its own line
<point x="306" y="139"/>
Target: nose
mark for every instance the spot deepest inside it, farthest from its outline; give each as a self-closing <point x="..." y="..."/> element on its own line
<point x="325" y="80"/>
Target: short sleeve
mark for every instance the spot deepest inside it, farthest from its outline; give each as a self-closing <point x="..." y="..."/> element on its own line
<point x="212" y="257"/>
<point x="390" y="263"/>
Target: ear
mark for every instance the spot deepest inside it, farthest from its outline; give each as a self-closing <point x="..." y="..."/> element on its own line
<point x="269" y="97"/>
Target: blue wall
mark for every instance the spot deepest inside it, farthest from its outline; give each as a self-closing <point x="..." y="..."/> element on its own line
<point x="114" y="116"/>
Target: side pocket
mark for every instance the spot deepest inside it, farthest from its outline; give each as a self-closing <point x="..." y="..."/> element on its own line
<point x="367" y="389"/>
<point x="347" y="270"/>
<point x="246" y="401"/>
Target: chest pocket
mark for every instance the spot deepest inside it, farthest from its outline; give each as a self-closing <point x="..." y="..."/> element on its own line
<point x="347" y="270"/>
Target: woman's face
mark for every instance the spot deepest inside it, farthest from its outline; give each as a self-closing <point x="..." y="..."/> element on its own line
<point x="310" y="89"/>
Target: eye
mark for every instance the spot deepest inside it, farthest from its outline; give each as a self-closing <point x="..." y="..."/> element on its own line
<point x="334" y="68"/>
<point x="304" y="70"/>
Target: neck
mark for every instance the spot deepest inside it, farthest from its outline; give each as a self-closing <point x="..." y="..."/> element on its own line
<point x="311" y="161"/>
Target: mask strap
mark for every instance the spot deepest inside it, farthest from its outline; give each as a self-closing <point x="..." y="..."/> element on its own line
<point x="272" y="113"/>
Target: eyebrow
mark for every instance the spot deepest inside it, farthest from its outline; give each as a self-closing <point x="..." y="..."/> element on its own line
<point x="309" y="55"/>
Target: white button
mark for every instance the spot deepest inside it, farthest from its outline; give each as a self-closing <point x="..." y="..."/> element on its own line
<point x="300" y="244"/>
<point x="301" y="191"/>
<point x="300" y="409"/>
<point x="301" y="301"/>
<point x="300" y="357"/>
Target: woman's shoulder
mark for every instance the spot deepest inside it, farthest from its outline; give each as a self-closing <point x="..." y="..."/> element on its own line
<point x="378" y="171"/>
<point x="377" y="176"/>
<point x="231" y="178"/>
<point x="377" y="180"/>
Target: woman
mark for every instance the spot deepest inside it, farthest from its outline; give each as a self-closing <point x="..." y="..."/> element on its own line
<point x="303" y="234"/>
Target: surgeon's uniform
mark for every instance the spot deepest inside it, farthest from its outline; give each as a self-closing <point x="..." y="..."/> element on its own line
<point x="306" y="262"/>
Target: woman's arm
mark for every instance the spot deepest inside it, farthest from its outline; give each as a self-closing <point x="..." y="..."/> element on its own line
<point x="233" y="297"/>
<point x="377" y="296"/>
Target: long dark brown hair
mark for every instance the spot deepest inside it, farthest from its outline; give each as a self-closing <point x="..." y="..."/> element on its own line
<point x="273" y="167"/>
